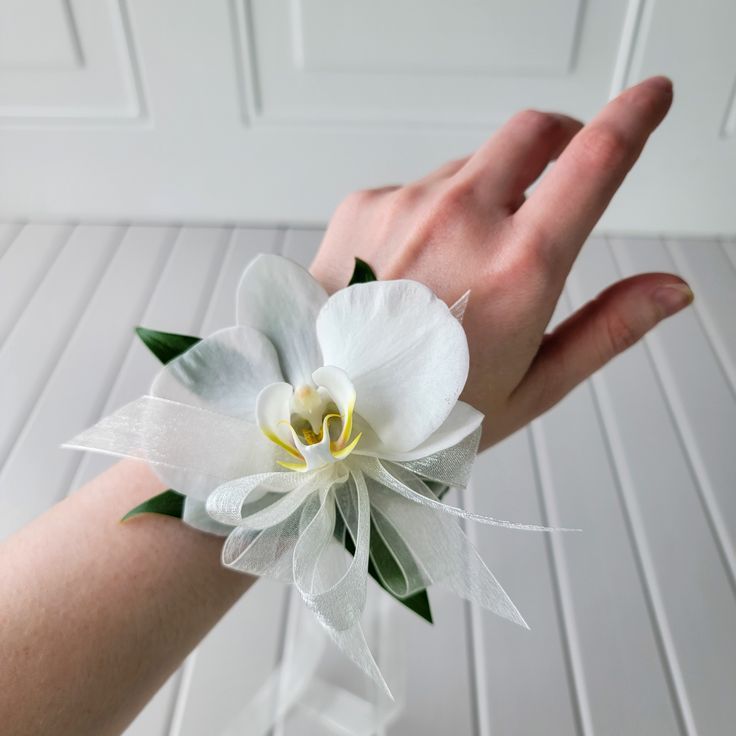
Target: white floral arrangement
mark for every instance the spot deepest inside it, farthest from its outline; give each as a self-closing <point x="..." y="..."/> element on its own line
<point x="318" y="436"/>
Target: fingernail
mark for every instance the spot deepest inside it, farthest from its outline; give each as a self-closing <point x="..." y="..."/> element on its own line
<point x="672" y="298"/>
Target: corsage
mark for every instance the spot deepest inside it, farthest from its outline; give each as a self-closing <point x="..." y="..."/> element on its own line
<point x="317" y="436"/>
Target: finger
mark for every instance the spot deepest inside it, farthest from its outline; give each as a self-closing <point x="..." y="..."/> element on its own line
<point x="570" y="199"/>
<point x="596" y="333"/>
<point x="516" y="155"/>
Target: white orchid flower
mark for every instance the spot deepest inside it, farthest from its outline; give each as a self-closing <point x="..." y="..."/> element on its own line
<point x="313" y="411"/>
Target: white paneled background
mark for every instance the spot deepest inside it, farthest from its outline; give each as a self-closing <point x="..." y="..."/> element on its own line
<point x="249" y="120"/>
<point x="633" y="621"/>
<point x="271" y="110"/>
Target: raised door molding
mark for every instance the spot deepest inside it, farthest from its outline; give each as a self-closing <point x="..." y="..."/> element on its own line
<point x="67" y="59"/>
<point x="271" y="111"/>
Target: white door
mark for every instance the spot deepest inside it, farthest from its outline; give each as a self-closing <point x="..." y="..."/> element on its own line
<point x="272" y="110"/>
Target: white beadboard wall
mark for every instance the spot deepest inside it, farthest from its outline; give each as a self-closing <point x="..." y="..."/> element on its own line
<point x="633" y="622"/>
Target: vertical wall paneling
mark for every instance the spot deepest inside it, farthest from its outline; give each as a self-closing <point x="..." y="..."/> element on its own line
<point x="526" y="675"/>
<point x="8" y="233"/>
<point x="38" y="338"/>
<point x="632" y="620"/>
<point x="81" y="377"/>
<point x="25" y="262"/>
<point x="710" y="271"/>
<point x="729" y="247"/>
<point x="706" y="424"/>
<point x="691" y="593"/>
<point x="604" y="591"/>
<point x="180" y="297"/>
<point x="436" y="655"/>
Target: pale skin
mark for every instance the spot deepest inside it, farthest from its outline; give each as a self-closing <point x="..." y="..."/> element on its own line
<point x="97" y="614"/>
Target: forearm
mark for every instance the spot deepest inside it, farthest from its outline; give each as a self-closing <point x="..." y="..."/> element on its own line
<point x="97" y="614"/>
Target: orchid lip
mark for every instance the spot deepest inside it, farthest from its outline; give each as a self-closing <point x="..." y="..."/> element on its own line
<point x="313" y="423"/>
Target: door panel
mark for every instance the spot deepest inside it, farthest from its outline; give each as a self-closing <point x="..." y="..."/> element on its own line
<point x="272" y="110"/>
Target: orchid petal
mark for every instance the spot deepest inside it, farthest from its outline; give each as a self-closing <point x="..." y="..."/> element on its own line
<point x="405" y="353"/>
<point x="280" y="299"/>
<point x="273" y="413"/>
<point x="316" y="455"/>
<point x="342" y="391"/>
<point x="462" y="421"/>
<point x="223" y="372"/>
<point x="190" y="449"/>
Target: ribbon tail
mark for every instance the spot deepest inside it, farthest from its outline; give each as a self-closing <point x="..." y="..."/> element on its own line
<point x="353" y="643"/>
<point x="191" y="449"/>
<point x="398" y="479"/>
<point x="334" y="593"/>
<point x="447" y="557"/>
<point x="451" y="466"/>
<point x="288" y="683"/>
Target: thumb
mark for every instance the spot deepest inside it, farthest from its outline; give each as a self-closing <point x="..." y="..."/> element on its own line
<point x="596" y="333"/>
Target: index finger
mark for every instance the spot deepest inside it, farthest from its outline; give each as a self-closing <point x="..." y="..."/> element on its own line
<point x="570" y="199"/>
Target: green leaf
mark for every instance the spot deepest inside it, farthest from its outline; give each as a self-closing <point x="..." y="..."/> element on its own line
<point x="166" y="345"/>
<point x="439" y="489"/>
<point x="419" y="603"/>
<point x="169" y="503"/>
<point x="362" y="273"/>
<point x="383" y="567"/>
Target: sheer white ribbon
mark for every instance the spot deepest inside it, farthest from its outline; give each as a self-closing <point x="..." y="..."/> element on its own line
<point x="296" y="691"/>
<point x="283" y="524"/>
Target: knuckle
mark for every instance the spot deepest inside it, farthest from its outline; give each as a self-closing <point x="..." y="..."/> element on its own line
<point x="455" y="199"/>
<point x="534" y="236"/>
<point x="551" y="385"/>
<point x="528" y="266"/>
<point x="400" y="203"/>
<point x="526" y="258"/>
<point x="456" y="163"/>
<point x="535" y="122"/>
<point x="433" y="218"/>
<point x="356" y="200"/>
<point x="406" y="197"/>
<point x="604" y="146"/>
<point x="444" y="212"/>
<point x="619" y="334"/>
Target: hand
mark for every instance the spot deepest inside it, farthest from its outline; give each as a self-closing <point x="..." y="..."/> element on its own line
<point x="467" y="225"/>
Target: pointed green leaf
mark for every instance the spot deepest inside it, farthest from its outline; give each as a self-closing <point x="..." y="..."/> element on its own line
<point x="166" y="345"/>
<point x="169" y="503"/>
<point x="389" y="572"/>
<point x="439" y="489"/>
<point x="419" y="603"/>
<point x="362" y="273"/>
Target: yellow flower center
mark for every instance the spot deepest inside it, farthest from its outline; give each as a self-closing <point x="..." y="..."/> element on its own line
<point x="310" y="424"/>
